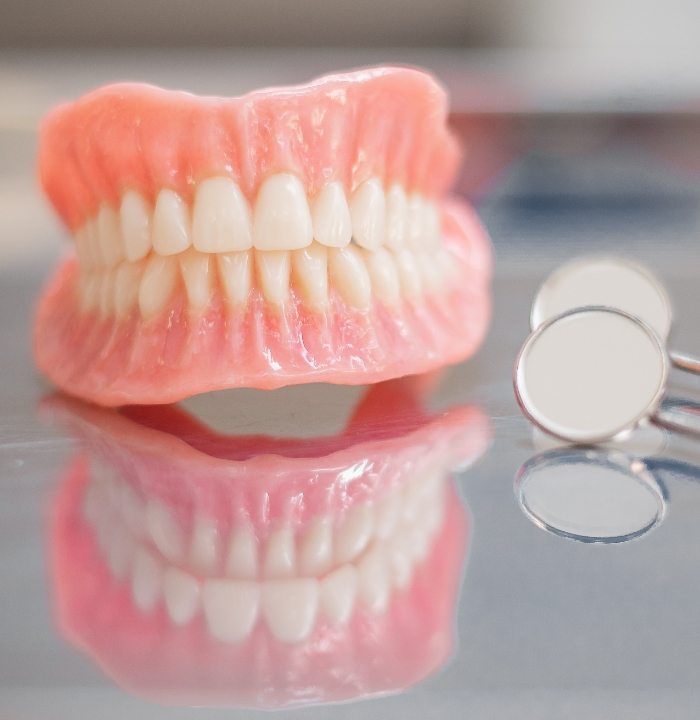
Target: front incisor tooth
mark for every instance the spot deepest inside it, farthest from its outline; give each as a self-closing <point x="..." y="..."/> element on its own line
<point x="109" y="236"/>
<point x="126" y="287"/>
<point x="310" y="268"/>
<point x="367" y="210"/>
<point x="316" y="548"/>
<point x="348" y="274"/>
<point x="282" y="220"/>
<point x="384" y="275"/>
<point x="135" y="215"/>
<point x="221" y="220"/>
<point x="273" y="269"/>
<point x="236" y="275"/>
<point x="396" y="212"/>
<point x="338" y="593"/>
<point x="157" y="284"/>
<point x="280" y="554"/>
<point x="290" y="608"/>
<point x="331" y="216"/>
<point x="197" y="273"/>
<point x="181" y="592"/>
<point x="231" y="608"/>
<point x="354" y="533"/>
<point x="242" y="558"/>
<point x="171" y="224"/>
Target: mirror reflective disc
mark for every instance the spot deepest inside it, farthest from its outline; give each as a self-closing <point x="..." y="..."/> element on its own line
<point x="590" y="374"/>
<point x="610" y="282"/>
<point x="590" y="496"/>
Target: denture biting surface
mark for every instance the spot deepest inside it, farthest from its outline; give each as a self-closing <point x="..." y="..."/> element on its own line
<point x="291" y="235"/>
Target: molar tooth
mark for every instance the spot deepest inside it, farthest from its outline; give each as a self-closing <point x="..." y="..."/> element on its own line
<point x="331" y="216"/>
<point x="338" y="591"/>
<point x="310" y="267"/>
<point x="396" y="215"/>
<point x="171" y="231"/>
<point x="242" y="559"/>
<point x="197" y="273"/>
<point x="135" y="215"/>
<point x="349" y="276"/>
<point x="164" y="530"/>
<point x="181" y="593"/>
<point x="231" y="608"/>
<point x="146" y="580"/>
<point x="354" y="533"/>
<point x="109" y="236"/>
<point x="221" y="219"/>
<point x="280" y="553"/>
<point x="126" y="287"/>
<point x="282" y="220"/>
<point x="236" y="274"/>
<point x="408" y="272"/>
<point x="384" y="275"/>
<point x="290" y="607"/>
<point x="273" y="269"/>
<point x="316" y="548"/>
<point x="204" y="548"/>
<point x="367" y="210"/>
<point x="157" y="284"/>
<point x="415" y="222"/>
<point x="373" y="579"/>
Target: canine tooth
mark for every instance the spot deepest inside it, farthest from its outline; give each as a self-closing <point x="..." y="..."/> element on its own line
<point x="126" y="287"/>
<point x="338" y="591"/>
<point x="354" y="533"/>
<point x="310" y="268"/>
<point x="230" y="608"/>
<point x="158" y="282"/>
<point x="280" y="554"/>
<point x="164" y="530"/>
<point x="409" y="273"/>
<point x="181" y="593"/>
<point x="197" y="273"/>
<point x="273" y="274"/>
<point x="396" y="212"/>
<point x="171" y="232"/>
<point x="135" y="215"/>
<point x="387" y="513"/>
<point x="221" y="219"/>
<point x="204" y="548"/>
<point x="282" y="220"/>
<point x="242" y="559"/>
<point x="384" y="275"/>
<point x="373" y="579"/>
<point x="290" y="608"/>
<point x="107" y="292"/>
<point x="109" y="236"/>
<point x="236" y="274"/>
<point x="367" y="210"/>
<point x="349" y="275"/>
<point x="331" y="216"/>
<point x="316" y="547"/>
<point x="146" y="580"/>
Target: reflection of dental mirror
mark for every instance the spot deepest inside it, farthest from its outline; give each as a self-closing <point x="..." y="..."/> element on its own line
<point x="645" y="441"/>
<point x="590" y="495"/>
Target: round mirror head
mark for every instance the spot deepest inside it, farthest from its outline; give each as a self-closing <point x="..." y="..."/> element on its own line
<point x="604" y="281"/>
<point x="590" y="374"/>
<point x="589" y="495"/>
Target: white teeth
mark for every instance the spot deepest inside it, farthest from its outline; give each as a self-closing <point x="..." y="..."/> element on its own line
<point x="221" y="219"/>
<point x="133" y="509"/>
<point x="120" y="551"/>
<point x="205" y="546"/>
<point x="109" y="236"/>
<point x="90" y="291"/>
<point x="316" y="548"/>
<point x="400" y="564"/>
<point x="432" y="230"/>
<point x="290" y="608"/>
<point x="338" y="591"/>
<point x="146" y="580"/>
<point x="282" y="220"/>
<point x="367" y="210"/>
<point x="164" y="530"/>
<point x="373" y="580"/>
<point x="354" y="533"/>
<point x="349" y="275"/>
<point x="414" y="222"/>
<point x="387" y="512"/>
<point x="197" y="272"/>
<point x="181" y="592"/>
<point x="231" y="608"/>
<point x="236" y="274"/>
<point x="171" y="234"/>
<point x="384" y="275"/>
<point x="409" y="273"/>
<point x="107" y="292"/>
<point x="396" y="212"/>
<point x="273" y="275"/>
<point x="310" y="267"/>
<point x="157" y="284"/>
<point x="126" y="287"/>
<point x="83" y="247"/>
<point x="242" y="559"/>
<point x="280" y="554"/>
<point x="423" y="223"/>
<point x="431" y="273"/>
<point x="331" y="216"/>
<point x="413" y="497"/>
<point x="135" y="216"/>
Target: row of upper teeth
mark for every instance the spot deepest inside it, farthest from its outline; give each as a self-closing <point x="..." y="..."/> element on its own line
<point x="220" y="220"/>
<point x="290" y="605"/>
<point x="356" y="274"/>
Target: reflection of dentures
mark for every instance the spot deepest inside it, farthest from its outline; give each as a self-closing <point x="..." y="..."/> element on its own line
<point x="303" y="232"/>
<point x="340" y="568"/>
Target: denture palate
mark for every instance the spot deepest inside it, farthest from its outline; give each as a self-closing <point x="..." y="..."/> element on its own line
<point x="374" y="241"/>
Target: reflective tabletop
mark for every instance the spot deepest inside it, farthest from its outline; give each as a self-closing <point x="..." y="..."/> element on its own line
<point x="408" y="549"/>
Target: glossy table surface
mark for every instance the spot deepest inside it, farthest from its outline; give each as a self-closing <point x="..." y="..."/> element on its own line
<point x="498" y="617"/>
